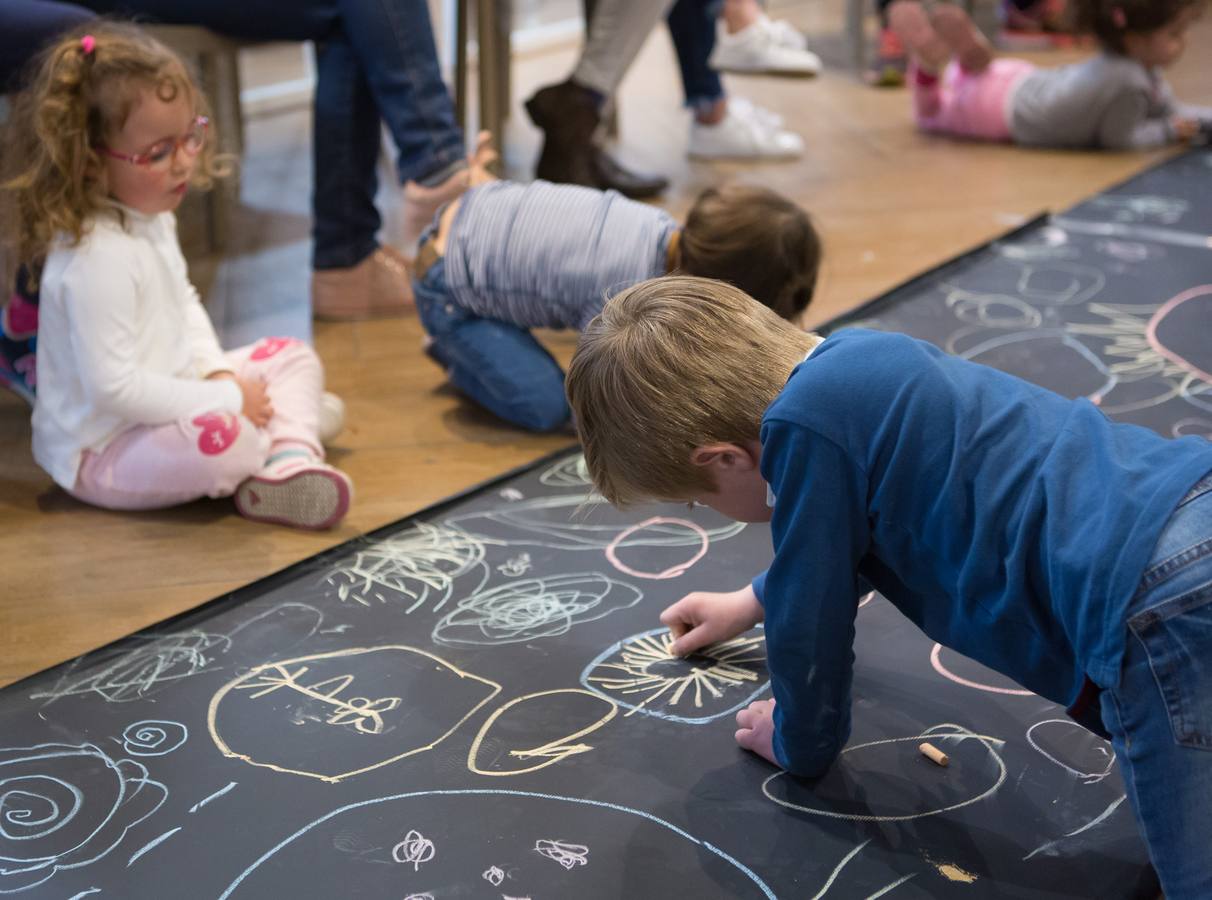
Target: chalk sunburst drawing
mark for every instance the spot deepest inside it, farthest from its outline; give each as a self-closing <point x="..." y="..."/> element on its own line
<point x="641" y="674"/>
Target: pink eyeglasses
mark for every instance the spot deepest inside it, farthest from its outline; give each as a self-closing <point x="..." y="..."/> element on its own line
<point x="160" y="155"/>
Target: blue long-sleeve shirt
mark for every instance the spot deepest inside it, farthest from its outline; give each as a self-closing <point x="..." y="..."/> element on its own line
<point x="1006" y="521"/>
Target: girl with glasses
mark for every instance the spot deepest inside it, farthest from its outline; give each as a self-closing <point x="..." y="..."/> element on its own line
<point x="137" y="405"/>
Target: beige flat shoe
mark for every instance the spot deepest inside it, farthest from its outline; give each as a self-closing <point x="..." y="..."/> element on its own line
<point x="376" y="287"/>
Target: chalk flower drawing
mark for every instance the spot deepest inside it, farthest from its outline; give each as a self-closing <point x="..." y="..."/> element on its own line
<point x="416" y="567"/>
<point x="643" y="675"/>
<point x="63" y="806"/>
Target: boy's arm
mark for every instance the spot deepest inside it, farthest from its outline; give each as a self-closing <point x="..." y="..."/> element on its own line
<point x="810" y="592"/>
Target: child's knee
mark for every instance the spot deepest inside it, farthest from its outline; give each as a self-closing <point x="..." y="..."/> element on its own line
<point x="544" y="411"/>
<point x="229" y="449"/>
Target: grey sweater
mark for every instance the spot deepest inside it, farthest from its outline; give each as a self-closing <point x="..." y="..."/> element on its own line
<point x="1111" y="102"/>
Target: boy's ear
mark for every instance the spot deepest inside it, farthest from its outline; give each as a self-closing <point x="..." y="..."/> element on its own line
<point x="724" y="457"/>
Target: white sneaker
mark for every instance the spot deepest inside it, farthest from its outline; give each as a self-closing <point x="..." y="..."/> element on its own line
<point x="745" y="109"/>
<point x="743" y="135"/>
<point x="332" y="417"/>
<point x="763" y="47"/>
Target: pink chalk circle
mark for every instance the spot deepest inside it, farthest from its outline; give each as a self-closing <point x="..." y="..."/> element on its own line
<point x="946" y="673"/>
<point x="1167" y="309"/>
<point x="673" y="571"/>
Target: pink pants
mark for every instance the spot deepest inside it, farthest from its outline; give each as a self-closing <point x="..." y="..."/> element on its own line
<point x="968" y="105"/>
<point x="209" y="454"/>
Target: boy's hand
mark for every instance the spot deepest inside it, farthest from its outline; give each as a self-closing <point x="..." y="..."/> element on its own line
<point x="756" y="731"/>
<point x="702" y="618"/>
<point x="257" y="408"/>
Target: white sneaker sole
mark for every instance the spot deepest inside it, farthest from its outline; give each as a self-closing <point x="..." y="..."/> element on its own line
<point x="315" y="499"/>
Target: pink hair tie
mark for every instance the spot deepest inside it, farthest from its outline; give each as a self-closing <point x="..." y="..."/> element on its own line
<point x="1118" y="18"/>
<point x="88" y="44"/>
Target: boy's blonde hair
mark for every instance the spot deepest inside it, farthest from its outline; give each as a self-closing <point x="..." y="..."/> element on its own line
<point x="669" y="365"/>
<point x="74" y="101"/>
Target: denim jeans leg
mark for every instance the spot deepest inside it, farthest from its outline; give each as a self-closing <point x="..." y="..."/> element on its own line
<point x="394" y="41"/>
<point x="26" y="26"/>
<point x="692" y="27"/>
<point x="498" y="365"/>
<point x="345" y="138"/>
<point x="1160" y="714"/>
<point x="260" y="20"/>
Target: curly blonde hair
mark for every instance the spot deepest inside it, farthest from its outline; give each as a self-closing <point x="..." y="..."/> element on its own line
<point x="79" y="95"/>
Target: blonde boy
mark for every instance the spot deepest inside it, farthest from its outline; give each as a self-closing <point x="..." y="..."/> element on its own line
<point x="1020" y="528"/>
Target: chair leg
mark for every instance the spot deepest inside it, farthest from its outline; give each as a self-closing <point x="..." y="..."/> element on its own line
<point x="856" y="33"/>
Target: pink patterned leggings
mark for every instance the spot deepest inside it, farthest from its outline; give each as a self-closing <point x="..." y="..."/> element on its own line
<point x="209" y="454"/>
<point x="966" y="104"/>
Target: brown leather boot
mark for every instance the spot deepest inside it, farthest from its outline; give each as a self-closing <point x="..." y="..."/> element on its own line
<point x="569" y="117"/>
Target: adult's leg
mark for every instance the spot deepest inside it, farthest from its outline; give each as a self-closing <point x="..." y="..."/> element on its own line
<point x="692" y="27"/>
<point x="394" y="43"/>
<point x="345" y="142"/>
<point x="616" y="34"/>
<point x="254" y="20"/>
<point x="570" y="113"/>
<point x="721" y="128"/>
<point x="26" y="26"/>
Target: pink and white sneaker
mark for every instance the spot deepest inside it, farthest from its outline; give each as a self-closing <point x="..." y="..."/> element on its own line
<point x="299" y="492"/>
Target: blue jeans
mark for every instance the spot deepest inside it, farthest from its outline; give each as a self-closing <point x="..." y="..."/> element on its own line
<point x="1160" y="713"/>
<point x="692" y="27"/>
<point x="381" y="66"/>
<point x="26" y="26"/>
<point x="375" y="62"/>
<point x="498" y="365"/>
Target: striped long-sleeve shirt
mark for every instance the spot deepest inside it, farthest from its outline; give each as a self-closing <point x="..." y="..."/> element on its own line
<point x="542" y="255"/>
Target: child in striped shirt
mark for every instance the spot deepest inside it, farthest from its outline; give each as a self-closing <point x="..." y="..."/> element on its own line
<point x="508" y="257"/>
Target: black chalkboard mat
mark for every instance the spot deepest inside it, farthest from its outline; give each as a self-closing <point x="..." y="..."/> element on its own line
<point x="478" y="701"/>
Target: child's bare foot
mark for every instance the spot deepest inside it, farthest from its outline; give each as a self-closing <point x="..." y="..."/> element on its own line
<point x="909" y="20"/>
<point x="971" y="48"/>
<point x="479" y="161"/>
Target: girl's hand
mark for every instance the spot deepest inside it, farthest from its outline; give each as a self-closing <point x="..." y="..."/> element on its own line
<point x="257" y="408"/>
<point x="756" y="729"/>
<point x="702" y="618"/>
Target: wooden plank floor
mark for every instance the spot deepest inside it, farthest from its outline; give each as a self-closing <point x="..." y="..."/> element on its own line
<point x="890" y="203"/>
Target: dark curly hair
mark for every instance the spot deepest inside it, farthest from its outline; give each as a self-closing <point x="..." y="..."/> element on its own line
<point x="1110" y="20"/>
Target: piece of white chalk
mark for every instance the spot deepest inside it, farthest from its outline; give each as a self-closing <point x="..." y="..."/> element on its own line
<point x="934" y="754"/>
